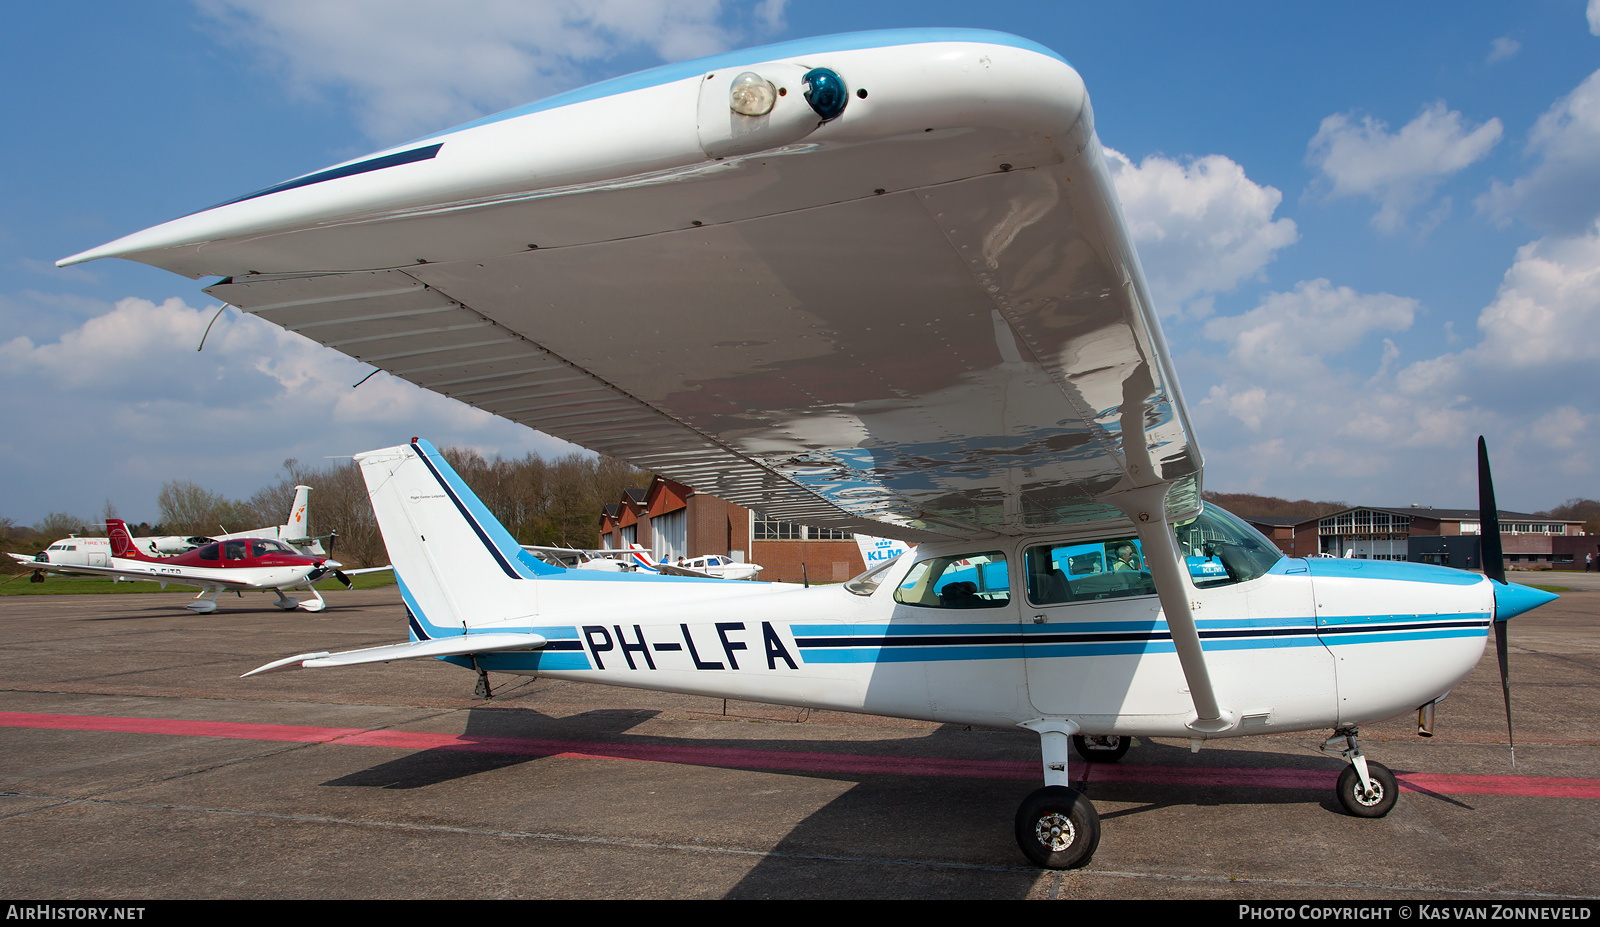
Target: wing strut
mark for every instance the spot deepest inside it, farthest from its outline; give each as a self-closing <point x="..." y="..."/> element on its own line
<point x="1147" y="506"/>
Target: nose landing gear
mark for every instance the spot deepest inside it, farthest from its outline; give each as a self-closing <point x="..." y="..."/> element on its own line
<point x="1365" y="789"/>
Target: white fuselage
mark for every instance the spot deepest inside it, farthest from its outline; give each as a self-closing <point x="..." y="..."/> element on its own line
<point x="1288" y="650"/>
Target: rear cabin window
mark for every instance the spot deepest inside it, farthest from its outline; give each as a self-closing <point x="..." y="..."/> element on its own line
<point x="1087" y="572"/>
<point x="209" y="552"/>
<point x="968" y="581"/>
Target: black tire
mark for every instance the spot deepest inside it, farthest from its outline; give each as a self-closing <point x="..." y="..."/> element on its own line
<point x="1106" y="749"/>
<point x="1057" y="828"/>
<point x="1385" y="791"/>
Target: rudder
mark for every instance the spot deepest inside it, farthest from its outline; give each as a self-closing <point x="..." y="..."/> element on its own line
<point x="457" y="565"/>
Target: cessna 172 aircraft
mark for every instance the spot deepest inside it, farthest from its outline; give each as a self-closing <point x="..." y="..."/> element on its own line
<point x="237" y="564"/>
<point x="878" y="281"/>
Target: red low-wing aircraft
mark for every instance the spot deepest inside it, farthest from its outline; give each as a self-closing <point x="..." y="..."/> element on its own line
<point x="238" y="564"/>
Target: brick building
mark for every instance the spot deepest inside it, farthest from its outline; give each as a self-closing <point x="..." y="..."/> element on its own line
<point x="1448" y="537"/>
<point x="674" y="521"/>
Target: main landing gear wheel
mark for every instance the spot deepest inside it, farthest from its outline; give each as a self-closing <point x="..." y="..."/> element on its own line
<point x="1058" y="828"/>
<point x="1371" y="804"/>
<point x="1105" y="748"/>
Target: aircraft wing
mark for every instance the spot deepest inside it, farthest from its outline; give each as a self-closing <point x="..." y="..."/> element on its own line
<point x="670" y="570"/>
<point x="137" y="573"/>
<point x="441" y="647"/>
<point x="920" y="318"/>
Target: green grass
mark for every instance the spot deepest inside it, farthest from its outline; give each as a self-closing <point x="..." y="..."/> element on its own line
<point x="97" y="585"/>
<point x="1551" y="588"/>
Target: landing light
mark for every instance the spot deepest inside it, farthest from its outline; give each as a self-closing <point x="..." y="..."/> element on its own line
<point x="826" y="92"/>
<point x="752" y="95"/>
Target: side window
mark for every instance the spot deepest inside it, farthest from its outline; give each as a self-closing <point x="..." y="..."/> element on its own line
<point x="233" y="550"/>
<point x="209" y="552"/>
<point x="967" y="581"/>
<point x="1086" y="572"/>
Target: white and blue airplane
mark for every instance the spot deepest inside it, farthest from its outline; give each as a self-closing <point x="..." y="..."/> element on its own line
<point x="877" y="281"/>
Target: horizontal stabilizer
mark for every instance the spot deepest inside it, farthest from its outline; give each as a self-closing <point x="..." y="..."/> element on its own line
<point x="441" y="647"/>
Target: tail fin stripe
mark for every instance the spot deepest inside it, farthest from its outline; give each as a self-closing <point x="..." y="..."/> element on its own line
<point x="494" y="549"/>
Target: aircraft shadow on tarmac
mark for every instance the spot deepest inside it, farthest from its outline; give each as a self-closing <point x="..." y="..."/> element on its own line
<point x="942" y="825"/>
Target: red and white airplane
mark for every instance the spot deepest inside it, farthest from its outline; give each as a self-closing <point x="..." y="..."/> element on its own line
<point x="77" y="551"/>
<point x="237" y="564"/>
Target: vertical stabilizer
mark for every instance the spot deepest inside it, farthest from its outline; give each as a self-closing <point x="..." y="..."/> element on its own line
<point x="121" y="542"/>
<point x="457" y="565"/>
<point x="298" y="526"/>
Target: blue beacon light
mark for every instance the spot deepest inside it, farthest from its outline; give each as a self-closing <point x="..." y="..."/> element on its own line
<point x="825" y="92"/>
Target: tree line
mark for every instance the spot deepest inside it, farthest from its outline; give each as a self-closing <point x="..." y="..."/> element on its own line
<point x="551" y="503"/>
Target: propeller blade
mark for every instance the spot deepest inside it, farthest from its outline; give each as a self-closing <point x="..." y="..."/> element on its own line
<point x="339" y="575"/>
<point x="1501" y="630"/>
<point x="1494" y="567"/>
<point x="1494" y="563"/>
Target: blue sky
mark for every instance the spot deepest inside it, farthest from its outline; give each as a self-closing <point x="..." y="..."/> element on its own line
<point x="1371" y="228"/>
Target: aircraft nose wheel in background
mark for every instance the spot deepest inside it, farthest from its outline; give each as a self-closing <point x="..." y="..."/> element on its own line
<point x="1374" y="802"/>
<point x="1102" y="748"/>
<point x="1057" y="828"/>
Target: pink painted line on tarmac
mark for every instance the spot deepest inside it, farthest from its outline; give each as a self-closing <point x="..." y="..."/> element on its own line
<point x="290" y="732"/>
<point x="854" y="763"/>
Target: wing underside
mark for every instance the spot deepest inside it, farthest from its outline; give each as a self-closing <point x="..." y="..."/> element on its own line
<point x="925" y="322"/>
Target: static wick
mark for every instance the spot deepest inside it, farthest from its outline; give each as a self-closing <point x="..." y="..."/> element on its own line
<point x="367" y="377"/>
<point x="209" y="324"/>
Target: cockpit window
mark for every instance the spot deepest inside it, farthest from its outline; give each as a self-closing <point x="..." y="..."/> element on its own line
<point x="966" y="581"/>
<point x="1222" y="549"/>
<point x="233" y="550"/>
<point x="1085" y="572"/>
<point x="257" y="548"/>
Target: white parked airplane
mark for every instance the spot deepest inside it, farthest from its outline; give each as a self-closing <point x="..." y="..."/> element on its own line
<point x="239" y="564"/>
<point x="295" y="532"/>
<point x="713" y="566"/>
<point x="878" y="281"/>
<point x="70" y="551"/>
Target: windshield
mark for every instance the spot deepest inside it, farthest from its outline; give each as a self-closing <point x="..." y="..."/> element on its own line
<point x="1221" y="549"/>
<point x="867" y="583"/>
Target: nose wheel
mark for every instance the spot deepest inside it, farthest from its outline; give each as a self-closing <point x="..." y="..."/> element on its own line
<point x="1057" y="828"/>
<point x="1366" y="789"/>
<point x="1373" y="801"/>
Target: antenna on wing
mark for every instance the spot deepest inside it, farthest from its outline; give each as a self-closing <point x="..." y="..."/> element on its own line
<point x="209" y="324"/>
<point x="1494" y="567"/>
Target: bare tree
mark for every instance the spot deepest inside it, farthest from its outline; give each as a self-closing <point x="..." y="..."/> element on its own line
<point x="59" y="525"/>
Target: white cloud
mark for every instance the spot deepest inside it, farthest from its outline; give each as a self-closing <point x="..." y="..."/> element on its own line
<point x="1562" y="193"/>
<point x="416" y="66"/>
<point x="1397" y="170"/>
<point x="1502" y="48"/>
<point x="124" y="403"/>
<point x="1547" y="311"/>
<point x="1594" y="17"/>
<point x="1200" y="227"/>
<point x="1560" y="427"/>
<point x="1291" y="334"/>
